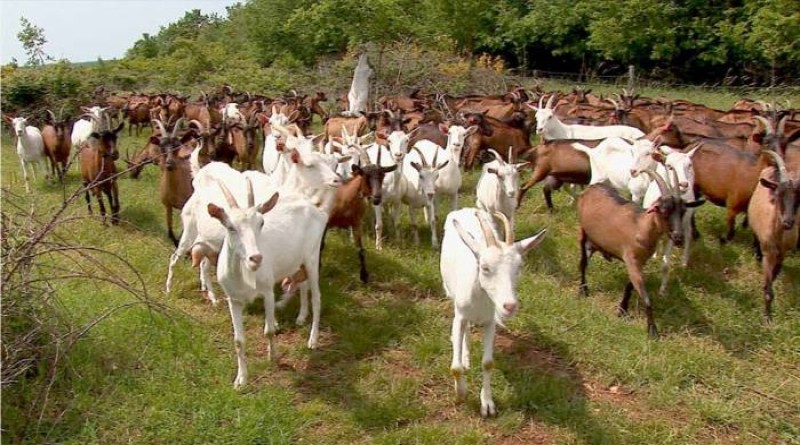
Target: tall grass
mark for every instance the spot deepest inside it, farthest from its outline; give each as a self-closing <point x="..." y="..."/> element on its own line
<point x="569" y="370"/>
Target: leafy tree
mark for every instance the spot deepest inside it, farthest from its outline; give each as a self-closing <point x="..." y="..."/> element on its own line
<point x="33" y="40"/>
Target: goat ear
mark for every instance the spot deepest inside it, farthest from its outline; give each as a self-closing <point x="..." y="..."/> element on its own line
<point x="444" y="128"/>
<point x="356" y="170"/>
<point x="267" y="206"/>
<point x="217" y="212"/>
<point x="658" y="157"/>
<point x="768" y="183"/>
<point x="344" y="159"/>
<point x="528" y="244"/>
<point x="467" y="238"/>
<point x="696" y="203"/>
<point x="442" y="165"/>
<point x="471" y="130"/>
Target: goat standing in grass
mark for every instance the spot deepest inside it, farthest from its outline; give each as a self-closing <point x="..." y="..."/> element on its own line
<point x="498" y="186"/>
<point x="99" y="172"/>
<point x="772" y="213"/>
<point x="479" y="273"/>
<point x="621" y="229"/>
<point x="30" y="147"/>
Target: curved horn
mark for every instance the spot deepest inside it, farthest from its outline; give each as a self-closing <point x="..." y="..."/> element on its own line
<point x="421" y="157"/>
<point x="61" y="113"/>
<point x="511" y="159"/>
<point x="541" y="99"/>
<point x="228" y="196"/>
<point x="52" y="116"/>
<point x="507" y="226"/>
<point x="200" y="127"/>
<point x="613" y="102"/>
<point x="380" y="152"/>
<point x="177" y="127"/>
<point x="764" y="106"/>
<point x="676" y="188"/>
<point x="782" y="125"/>
<point x="251" y="200"/>
<point x="488" y="233"/>
<point x="550" y="101"/>
<point x="662" y="185"/>
<point x="160" y="126"/>
<point x="435" y="158"/>
<point x="767" y="124"/>
<point x="778" y="163"/>
<point x="496" y="155"/>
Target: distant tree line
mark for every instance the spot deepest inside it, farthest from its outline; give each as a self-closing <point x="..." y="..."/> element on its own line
<point x="699" y="41"/>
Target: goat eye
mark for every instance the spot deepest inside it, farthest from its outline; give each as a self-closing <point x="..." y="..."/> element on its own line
<point x="486" y="269"/>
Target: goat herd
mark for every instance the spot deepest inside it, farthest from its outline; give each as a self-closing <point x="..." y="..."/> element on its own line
<point x="263" y="228"/>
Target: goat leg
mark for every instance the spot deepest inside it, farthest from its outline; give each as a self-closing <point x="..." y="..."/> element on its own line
<point x="584" y="288"/>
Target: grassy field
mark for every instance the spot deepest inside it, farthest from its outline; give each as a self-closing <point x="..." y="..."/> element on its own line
<point x="568" y="369"/>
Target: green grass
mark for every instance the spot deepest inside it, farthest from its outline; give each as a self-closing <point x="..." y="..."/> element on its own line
<point x="568" y="369"/>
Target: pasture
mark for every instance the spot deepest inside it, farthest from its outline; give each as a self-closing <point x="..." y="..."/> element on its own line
<point x="568" y="370"/>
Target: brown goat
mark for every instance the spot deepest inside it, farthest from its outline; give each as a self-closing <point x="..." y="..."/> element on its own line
<point x="773" y="213"/>
<point x="496" y="134"/>
<point x="620" y="229"/>
<point x="99" y="173"/>
<point x="172" y="156"/>
<point x="559" y="160"/>
<point x="57" y="143"/>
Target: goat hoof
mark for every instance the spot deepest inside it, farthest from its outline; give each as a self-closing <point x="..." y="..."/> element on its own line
<point x="652" y="332"/>
<point x="584" y="291"/>
<point x="488" y="409"/>
<point x="364" y="277"/>
<point x="622" y="313"/>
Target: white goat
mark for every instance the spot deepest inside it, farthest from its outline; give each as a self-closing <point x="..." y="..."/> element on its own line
<point x="448" y="181"/>
<point x="393" y="188"/>
<point x="420" y="178"/>
<point x="676" y="167"/>
<point x="30" y="148"/>
<point x="551" y="128"/>
<point x="498" y="186"/>
<point x="259" y="249"/>
<point x="98" y="120"/>
<point x="231" y="114"/>
<point x="614" y="160"/>
<point x="308" y="175"/>
<point x="359" y="90"/>
<point x="273" y="141"/>
<point x="479" y="273"/>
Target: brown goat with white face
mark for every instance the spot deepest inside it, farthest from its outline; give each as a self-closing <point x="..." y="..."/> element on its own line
<point x="773" y="215"/>
<point x="620" y="229"/>
<point x="99" y="173"/>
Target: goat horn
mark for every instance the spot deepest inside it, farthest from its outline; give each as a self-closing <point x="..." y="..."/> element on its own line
<point x="676" y="191"/>
<point x="550" y="101"/>
<point x="496" y="155"/>
<point x="421" y="156"/>
<point x="488" y="233"/>
<point x="613" y="102"/>
<point x="228" y="196"/>
<point x="176" y="127"/>
<point x="160" y="126"/>
<point x="52" y="116"/>
<point x="541" y="98"/>
<point x="200" y="127"/>
<point x="767" y="124"/>
<point x="507" y="226"/>
<point x="251" y="200"/>
<point x="61" y="113"/>
<point x="782" y="125"/>
<point x="435" y="158"/>
<point x="662" y="185"/>
<point x="778" y="163"/>
<point x="380" y="152"/>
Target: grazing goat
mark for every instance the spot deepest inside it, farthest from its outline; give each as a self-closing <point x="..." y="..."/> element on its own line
<point x="359" y="90"/>
<point x="772" y="213"/>
<point x="56" y="137"/>
<point x="99" y="172"/>
<point x="549" y="127"/>
<point x="621" y="229"/>
<point x="498" y="186"/>
<point x="30" y="147"/>
<point x="479" y="273"/>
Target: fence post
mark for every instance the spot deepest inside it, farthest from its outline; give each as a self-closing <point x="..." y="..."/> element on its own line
<point x="631" y="79"/>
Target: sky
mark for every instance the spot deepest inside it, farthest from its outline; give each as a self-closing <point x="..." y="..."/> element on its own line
<point x="83" y="30"/>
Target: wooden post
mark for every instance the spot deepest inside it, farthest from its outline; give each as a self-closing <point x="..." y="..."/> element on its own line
<point x="631" y="79"/>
